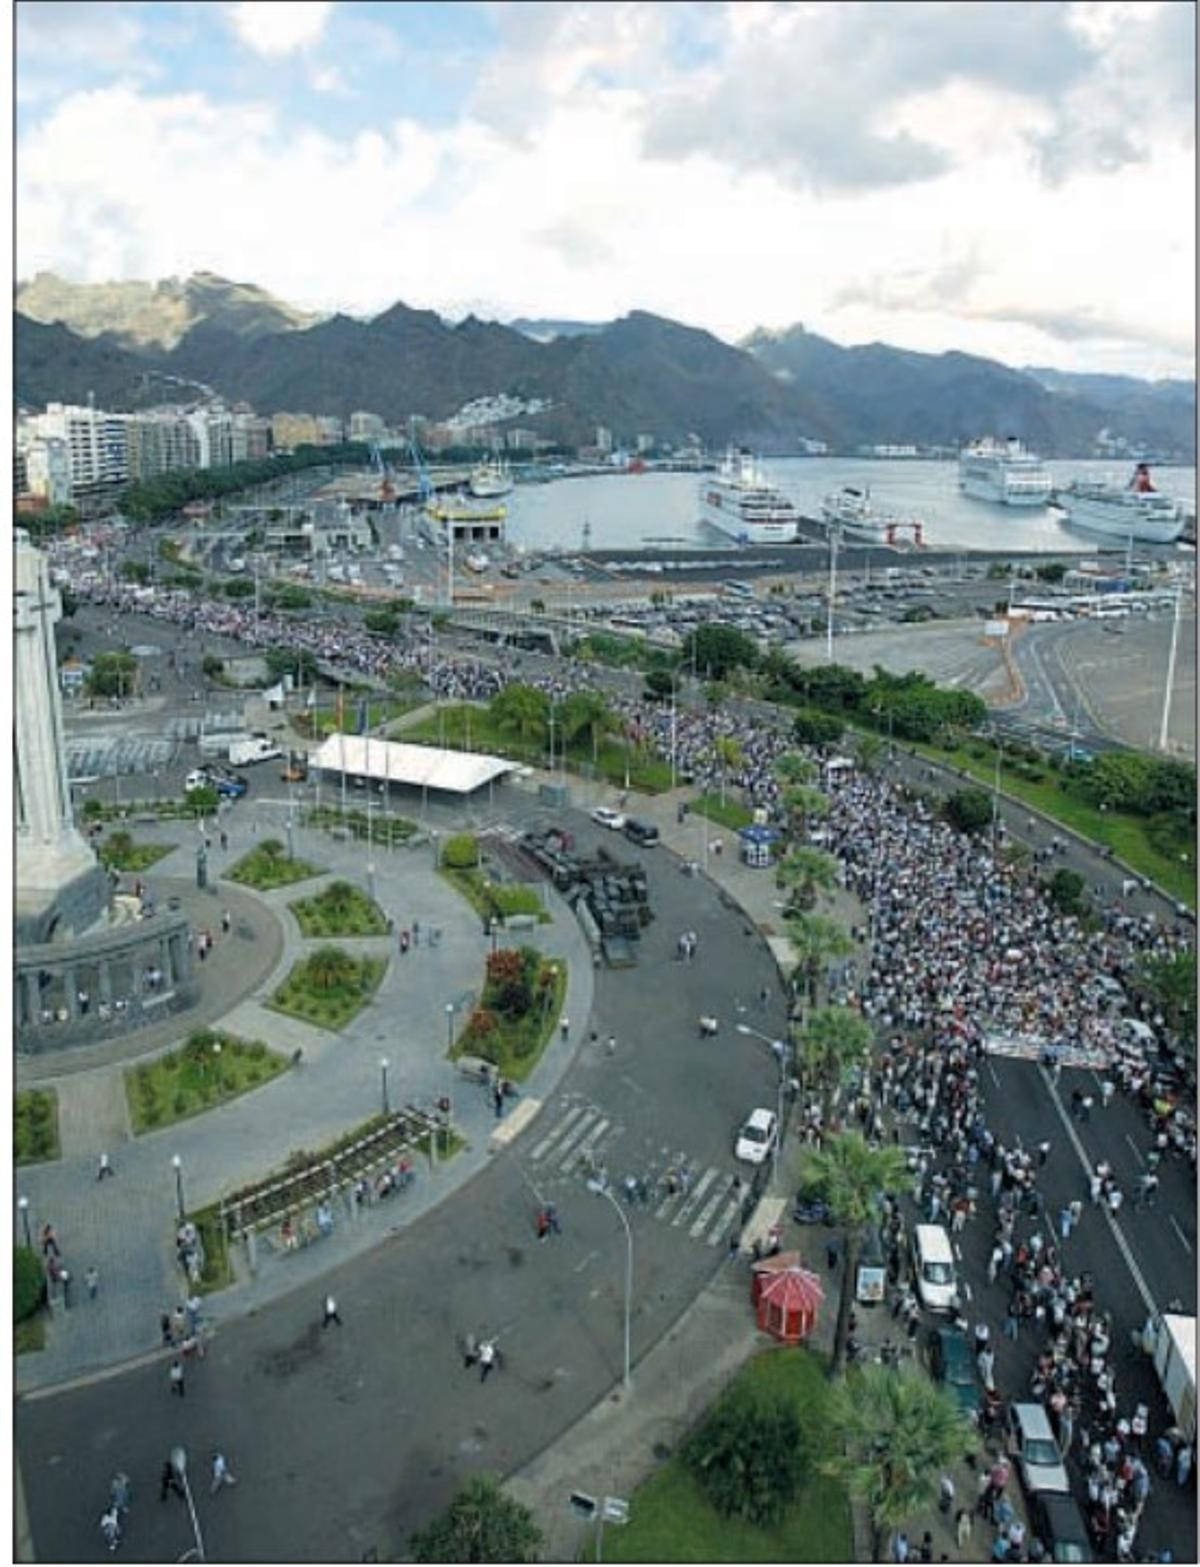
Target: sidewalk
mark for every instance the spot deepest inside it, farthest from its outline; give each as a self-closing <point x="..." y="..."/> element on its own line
<point x="125" y="1226"/>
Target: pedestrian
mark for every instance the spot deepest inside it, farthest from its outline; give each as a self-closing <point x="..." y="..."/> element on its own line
<point x="831" y="1254"/>
<point x="1064" y="1222"/>
<point x="92" y="1279"/>
<point x="986" y="1361"/>
<point x="612" y="1044"/>
<point x="169" y="1481"/>
<point x="64" y="1278"/>
<point x="900" y="1547"/>
<point x="110" y="1528"/>
<point x="470" y="1351"/>
<point x="963" y="1524"/>
<point x="735" y="1245"/>
<point x="220" y="1473"/>
<point x="331" y="1312"/>
<point x="1012" y="1322"/>
<point x="49" y="1241"/>
<point x="224" y="845"/>
<point x="497" y="1099"/>
<point x="542" y="1224"/>
<point x="487" y="1358"/>
<point x="551" y="1211"/>
<point x="564" y="1027"/>
<point x="945" y="1494"/>
<point x="120" y="1492"/>
<point x="926" y="1551"/>
<point x="1107" y="1089"/>
<point x="1043" y="1150"/>
<point x="1183" y="1464"/>
<point x="226" y="917"/>
<point x="104" y="1168"/>
<point x="164" y="1326"/>
<point x="192" y="1306"/>
<point x="177" y="1377"/>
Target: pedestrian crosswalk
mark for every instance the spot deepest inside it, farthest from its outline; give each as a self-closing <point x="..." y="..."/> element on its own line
<point x="584" y="1143"/>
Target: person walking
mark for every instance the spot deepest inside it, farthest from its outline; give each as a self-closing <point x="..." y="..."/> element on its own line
<point x="110" y="1528"/>
<point x="221" y="1475"/>
<point x="963" y="1525"/>
<point x="331" y="1313"/>
<point x="169" y="1481"/>
<point x="900" y="1547"/>
<point x="104" y="1168"/>
<point x="945" y="1494"/>
<point x="92" y="1279"/>
<point x="177" y="1377"/>
<point x="487" y="1358"/>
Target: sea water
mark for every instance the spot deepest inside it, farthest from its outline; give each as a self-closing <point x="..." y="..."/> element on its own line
<point x="632" y="510"/>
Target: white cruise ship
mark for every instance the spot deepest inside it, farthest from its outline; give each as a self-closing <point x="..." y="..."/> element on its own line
<point x="1137" y="512"/>
<point x="490" y="479"/>
<point x="1005" y="472"/>
<point x="739" y="500"/>
<point x="852" y="509"/>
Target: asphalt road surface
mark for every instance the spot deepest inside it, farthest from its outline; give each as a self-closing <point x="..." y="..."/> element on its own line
<point x="344" y="1439"/>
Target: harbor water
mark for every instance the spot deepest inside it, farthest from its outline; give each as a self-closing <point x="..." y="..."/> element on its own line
<point x="648" y="510"/>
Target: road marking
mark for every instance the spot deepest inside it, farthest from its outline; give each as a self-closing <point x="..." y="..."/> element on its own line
<point x="1134" y="1271"/>
<point x="692" y="1200"/>
<point x="586" y="1148"/>
<point x="580" y="1266"/>
<point x="722" y="1225"/>
<point x="1134" y="1146"/>
<point x="706" y="1213"/>
<point x="1179" y="1232"/>
<point x="559" y="1129"/>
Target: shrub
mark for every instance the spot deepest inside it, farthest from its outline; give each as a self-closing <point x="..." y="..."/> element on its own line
<point x="970" y="810"/>
<point x="461" y="853"/>
<point x="749" y="1456"/>
<point x="29" y="1283"/>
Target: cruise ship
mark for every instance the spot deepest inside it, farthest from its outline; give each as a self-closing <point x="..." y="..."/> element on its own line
<point x="739" y="500"/>
<point x="1136" y="512"/>
<point x="1005" y="472"/>
<point x="490" y="479"/>
<point x="852" y="510"/>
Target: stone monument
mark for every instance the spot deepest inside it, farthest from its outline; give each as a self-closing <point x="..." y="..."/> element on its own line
<point x="62" y="890"/>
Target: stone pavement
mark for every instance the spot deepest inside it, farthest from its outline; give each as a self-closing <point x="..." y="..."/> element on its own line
<point x="125" y="1226"/>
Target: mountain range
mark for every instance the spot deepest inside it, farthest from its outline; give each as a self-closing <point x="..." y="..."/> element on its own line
<point x="135" y="344"/>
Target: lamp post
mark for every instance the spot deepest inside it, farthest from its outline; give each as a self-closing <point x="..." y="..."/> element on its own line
<point x="371" y="880"/>
<point x="779" y="1050"/>
<point x="600" y="1189"/>
<point x="383" y="1071"/>
<point x="179" y="1465"/>
<point x="177" y="1166"/>
<point x="23" y="1207"/>
<point x="291" y="853"/>
<point x="449" y="1025"/>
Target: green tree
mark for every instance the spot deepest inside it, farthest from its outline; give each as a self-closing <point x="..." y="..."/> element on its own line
<point x="113" y="674"/>
<point x="1065" y="891"/>
<point x="870" y="750"/>
<point x="812" y="727"/>
<point x="731" y="757"/>
<point x="203" y="801"/>
<point x="817" y="941"/>
<point x="660" y="684"/>
<point x="238" y="588"/>
<point x="895" y="1434"/>
<point x="750" y="1455"/>
<point x="29" y="1283"/>
<point x="299" y="662"/>
<point x="587" y="716"/>
<point x="481" y="1524"/>
<point x="714" y="651"/>
<point x="212" y="666"/>
<point x="970" y="810"/>
<point x="523" y="710"/>
<point x="792" y="768"/>
<point x="851" y="1176"/>
<point x="383" y="622"/>
<point x="331" y="968"/>
<point x="804" y="804"/>
<point x="1172" y="983"/>
<point x="806" y="872"/>
<point x="835" y="1042"/>
<point x="134" y="571"/>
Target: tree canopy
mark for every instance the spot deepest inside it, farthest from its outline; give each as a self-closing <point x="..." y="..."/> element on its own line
<point x="714" y="651"/>
<point x="481" y="1524"/>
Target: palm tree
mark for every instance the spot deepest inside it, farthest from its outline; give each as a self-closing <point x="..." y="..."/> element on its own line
<point x="807" y="871"/>
<point x="338" y="897"/>
<point x="835" y="1041"/>
<point x="792" y="768"/>
<point x="803" y="803"/>
<point x="870" y="749"/>
<point x="586" y="714"/>
<point x="271" y="849"/>
<point x="329" y="968"/>
<point x="523" y="709"/>
<point x="896" y="1433"/>
<point x="817" y="941"/>
<point x="731" y="756"/>
<point x="851" y="1176"/>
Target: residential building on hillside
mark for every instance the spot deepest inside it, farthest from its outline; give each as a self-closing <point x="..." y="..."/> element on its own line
<point x="290" y="430"/>
<point x="366" y="426"/>
<point x="161" y="442"/>
<point x="249" y="436"/>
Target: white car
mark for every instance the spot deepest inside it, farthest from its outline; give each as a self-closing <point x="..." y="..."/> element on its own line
<point x="757" y="1138"/>
<point x="605" y="816"/>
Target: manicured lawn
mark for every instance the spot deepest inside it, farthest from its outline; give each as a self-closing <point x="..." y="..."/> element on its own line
<point x="1128" y="836"/>
<point x="515" y="1045"/>
<point x="732" y="814"/>
<point x="496" y="900"/>
<point x="218" y="1265"/>
<point x="268" y="866"/>
<point x="465" y="727"/>
<point x="671" y="1520"/>
<point x="386" y="830"/>
<point x="325" y="720"/>
<point x="197" y="1077"/>
<point x="326" y="994"/>
<point x="35" y="1126"/>
<point x="341" y="910"/>
<point x="121" y="853"/>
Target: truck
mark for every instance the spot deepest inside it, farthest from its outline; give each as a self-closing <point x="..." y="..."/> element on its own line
<point x="1171" y="1342"/>
<point x="247" y="750"/>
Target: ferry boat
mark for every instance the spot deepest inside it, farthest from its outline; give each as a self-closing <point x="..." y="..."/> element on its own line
<point x="1003" y="471"/>
<point x="1137" y="512"/>
<point x="490" y="479"/>
<point x="851" y="509"/>
<point x="739" y="500"/>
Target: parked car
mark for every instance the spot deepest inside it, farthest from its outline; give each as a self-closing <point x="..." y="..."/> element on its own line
<point x="757" y="1138"/>
<point x="1058" y="1525"/>
<point x="952" y="1363"/>
<point x="811" y="1210"/>
<point x="605" y="816"/>
<point x="1032" y="1442"/>
<point x="644" y="833"/>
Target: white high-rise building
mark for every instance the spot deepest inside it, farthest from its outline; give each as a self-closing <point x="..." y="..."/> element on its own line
<point x="48" y="470"/>
<point x="97" y="445"/>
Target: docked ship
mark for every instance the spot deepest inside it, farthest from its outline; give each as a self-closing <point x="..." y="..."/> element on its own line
<point x="852" y="510"/>
<point x="490" y="480"/>
<point x="1136" y="512"/>
<point x="739" y="500"/>
<point x="1005" y="472"/>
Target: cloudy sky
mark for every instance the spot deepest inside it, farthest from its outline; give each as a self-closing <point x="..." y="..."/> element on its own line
<point x="1011" y="179"/>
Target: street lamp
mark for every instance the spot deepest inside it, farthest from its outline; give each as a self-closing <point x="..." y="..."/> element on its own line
<point x="450" y="1025"/>
<point x="23" y="1206"/>
<point x="600" y="1189"/>
<point x="371" y="880"/>
<point x="779" y="1050"/>
<point x="179" y="1465"/>
<point x="383" y="1071"/>
<point x="177" y="1166"/>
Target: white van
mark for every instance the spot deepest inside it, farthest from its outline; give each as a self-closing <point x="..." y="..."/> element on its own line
<point x="933" y="1264"/>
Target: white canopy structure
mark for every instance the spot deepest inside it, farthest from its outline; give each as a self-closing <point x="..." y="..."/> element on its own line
<point x="417" y="766"/>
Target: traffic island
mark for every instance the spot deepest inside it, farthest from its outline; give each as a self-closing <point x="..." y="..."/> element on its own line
<point x="518" y="1012"/>
<point x="210" y="1069"/>
<point x="329" y="987"/>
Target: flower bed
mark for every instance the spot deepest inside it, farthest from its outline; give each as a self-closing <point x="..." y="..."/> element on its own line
<point x="329" y="987"/>
<point x="341" y="910"/>
<point x="209" y="1069"/>
<point x="269" y="866"/>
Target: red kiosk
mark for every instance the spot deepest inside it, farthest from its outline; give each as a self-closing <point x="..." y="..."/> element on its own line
<point x="788" y="1297"/>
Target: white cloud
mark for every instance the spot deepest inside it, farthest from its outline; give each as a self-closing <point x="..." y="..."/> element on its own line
<point x="278" y="27"/>
<point x="328" y="79"/>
